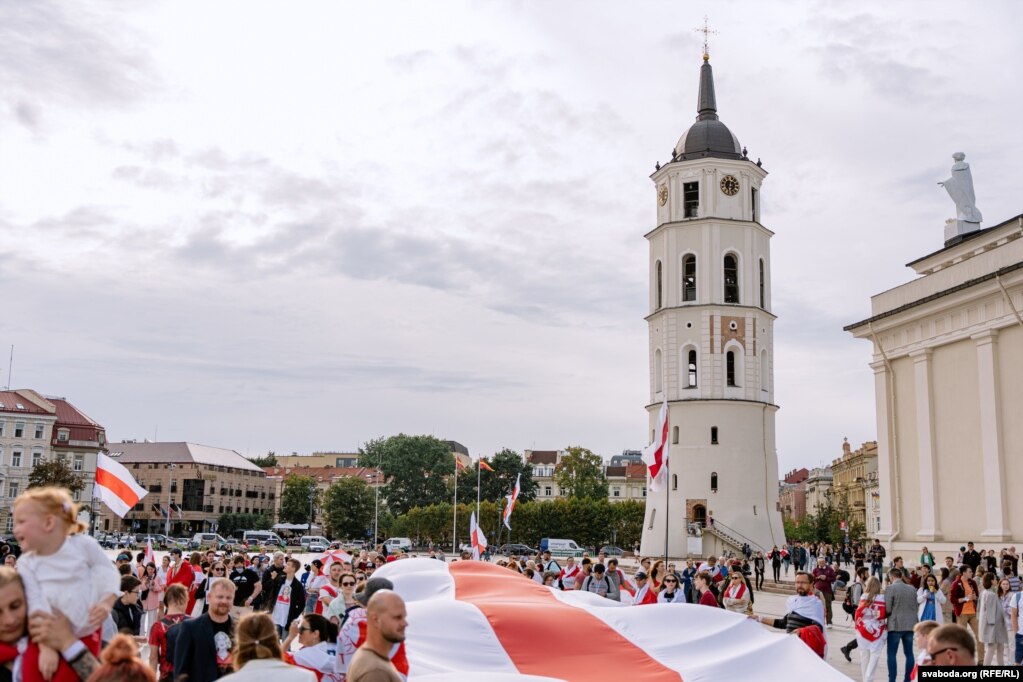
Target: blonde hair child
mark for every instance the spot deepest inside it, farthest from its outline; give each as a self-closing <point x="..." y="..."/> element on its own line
<point x="62" y="569"/>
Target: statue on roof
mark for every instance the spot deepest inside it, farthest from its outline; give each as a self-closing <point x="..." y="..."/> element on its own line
<point x="960" y="188"/>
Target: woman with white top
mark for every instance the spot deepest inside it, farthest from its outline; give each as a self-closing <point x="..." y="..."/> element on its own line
<point x="871" y="629"/>
<point x="736" y="595"/>
<point x="671" y="592"/>
<point x="318" y="639"/>
<point x="931" y="599"/>
<point x="258" y="655"/>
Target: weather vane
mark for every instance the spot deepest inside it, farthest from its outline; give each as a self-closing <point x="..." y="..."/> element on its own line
<point x="706" y="36"/>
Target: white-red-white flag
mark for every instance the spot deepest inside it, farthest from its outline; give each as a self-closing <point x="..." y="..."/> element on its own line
<point x="655" y="455"/>
<point x="477" y="538"/>
<point x="511" y="502"/>
<point x="494" y="621"/>
<point x="334" y="555"/>
<point x="115" y="486"/>
<point x="150" y="557"/>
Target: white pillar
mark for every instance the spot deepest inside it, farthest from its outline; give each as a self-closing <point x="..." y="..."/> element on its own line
<point x="885" y="463"/>
<point x="927" y="469"/>
<point x="991" y="436"/>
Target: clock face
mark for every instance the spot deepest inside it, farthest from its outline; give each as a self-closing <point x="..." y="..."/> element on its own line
<point x="730" y="185"/>
<point x="662" y="195"/>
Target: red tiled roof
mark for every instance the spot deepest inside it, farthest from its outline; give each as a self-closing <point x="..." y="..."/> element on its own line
<point x="543" y="457"/>
<point x="635" y="471"/>
<point x="615" y="471"/>
<point x="11" y="400"/>
<point x="71" y="415"/>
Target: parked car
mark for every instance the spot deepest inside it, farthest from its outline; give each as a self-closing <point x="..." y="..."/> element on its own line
<point x="515" y="549"/>
<point x="394" y="545"/>
<point x="560" y="547"/>
<point x="612" y="550"/>
<point x="358" y="545"/>
<point x="160" y="541"/>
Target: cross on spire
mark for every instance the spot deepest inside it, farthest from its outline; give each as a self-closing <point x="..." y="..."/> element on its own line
<point x="706" y="31"/>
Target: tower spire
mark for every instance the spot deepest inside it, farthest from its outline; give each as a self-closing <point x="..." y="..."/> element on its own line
<point x="707" y="105"/>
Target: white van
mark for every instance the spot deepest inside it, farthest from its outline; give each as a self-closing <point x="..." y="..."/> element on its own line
<point x="262" y="537"/>
<point x="314" y="543"/>
<point x="395" y="545"/>
<point x="561" y="547"/>
<point x="208" y="540"/>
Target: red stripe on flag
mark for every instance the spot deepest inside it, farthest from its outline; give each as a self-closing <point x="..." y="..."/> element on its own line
<point x="117" y="487"/>
<point x="544" y="636"/>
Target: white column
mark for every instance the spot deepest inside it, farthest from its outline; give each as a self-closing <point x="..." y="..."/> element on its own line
<point x="991" y="435"/>
<point x="927" y="469"/>
<point x="885" y="462"/>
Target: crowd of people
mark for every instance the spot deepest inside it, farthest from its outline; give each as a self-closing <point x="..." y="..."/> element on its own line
<point x="203" y="616"/>
<point x="247" y="615"/>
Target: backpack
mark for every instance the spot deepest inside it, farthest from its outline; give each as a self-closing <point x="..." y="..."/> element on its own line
<point x="848" y="605"/>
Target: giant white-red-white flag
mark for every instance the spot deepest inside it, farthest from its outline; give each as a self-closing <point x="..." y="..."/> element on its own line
<point x="654" y="454"/>
<point x="511" y="502"/>
<point x="115" y="486"/>
<point x="499" y="625"/>
<point x="476" y="537"/>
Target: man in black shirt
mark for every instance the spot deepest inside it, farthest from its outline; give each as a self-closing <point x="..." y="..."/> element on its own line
<point x="202" y="646"/>
<point x="877" y="555"/>
<point x="247" y="588"/>
<point x="971" y="557"/>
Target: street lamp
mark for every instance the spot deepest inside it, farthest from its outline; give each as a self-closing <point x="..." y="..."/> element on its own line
<point x="166" y="525"/>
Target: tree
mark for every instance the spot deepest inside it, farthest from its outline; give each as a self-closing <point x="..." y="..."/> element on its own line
<point x="268" y="460"/>
<point x="56" y="473"/>
<point x="416" y="469"/>
<point x="580" y="473"/>
<point x="494" y="485"/>
<point x="295" y="498"/>
<point x="229" y="524"/>
<point x="348" y="509"/>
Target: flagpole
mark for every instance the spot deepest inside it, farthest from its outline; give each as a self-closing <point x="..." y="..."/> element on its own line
<point x="667" y="501"/>
<point x="479" y="472"/>
<point x="454" y="513"/>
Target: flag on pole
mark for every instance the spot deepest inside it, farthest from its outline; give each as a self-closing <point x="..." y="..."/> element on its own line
<point x="115" y="486"/>
<point x="150" y="558"/>
<point x="654" y="454"/>
<point x="477" y="538"/>
<point x="458" y="464"/>
<point x="176" y="508"/>
<point x="484" y="465"/>
<point x="511" y="502"/>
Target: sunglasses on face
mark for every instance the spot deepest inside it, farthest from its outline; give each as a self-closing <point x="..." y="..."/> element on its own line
<point x="347" y="584"/>
<point x="670" y="581"/>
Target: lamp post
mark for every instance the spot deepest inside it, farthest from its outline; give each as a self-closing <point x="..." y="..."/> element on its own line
<point x="166" y="526"/>
<point x="312" y="496"/>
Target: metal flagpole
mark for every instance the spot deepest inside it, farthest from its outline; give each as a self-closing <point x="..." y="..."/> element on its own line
<point x="479" y="472"/>
<point x="667" y="501"/>
<point x="454" y="513"/>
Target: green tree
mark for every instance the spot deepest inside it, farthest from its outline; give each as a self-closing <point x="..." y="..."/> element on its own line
<point x="494" y="485"/>
<point x="580" y="473"/>
<point x="348" y="508"/>
<point x="416" y="469"/>
<point x="295" y="498"/>
<point x="267" y="460"/>
<point x="56" y="473"/>
<point x="236" y="524"/>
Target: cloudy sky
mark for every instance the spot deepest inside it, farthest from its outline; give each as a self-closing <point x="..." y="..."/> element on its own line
<point x="300" y="226"/>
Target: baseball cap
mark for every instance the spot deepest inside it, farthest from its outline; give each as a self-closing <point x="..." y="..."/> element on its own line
<point x="373" y="585"/>
<point x="124" y="556"/>
<point x="640" y="574"/>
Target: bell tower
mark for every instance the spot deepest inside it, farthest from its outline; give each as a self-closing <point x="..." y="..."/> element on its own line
<point x="711" y="343"/>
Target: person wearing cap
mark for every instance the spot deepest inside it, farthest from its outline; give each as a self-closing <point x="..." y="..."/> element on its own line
<point x="645" y="594"/>
<point x="353" y="630"/>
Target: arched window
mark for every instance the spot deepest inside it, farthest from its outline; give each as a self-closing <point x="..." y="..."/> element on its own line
<point x="730" y="368"/>
<point x="765" y="374"/>
<point x="657" y="371"/>
<point x="731" y="278"/>
<point x="689" y="278"/>
<point x="714" y="482"/>
<point x="691" y="369"/>
<point x="763" y="299"/>
<point x="674" y="435"/>
<point x="660" y="288"/>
